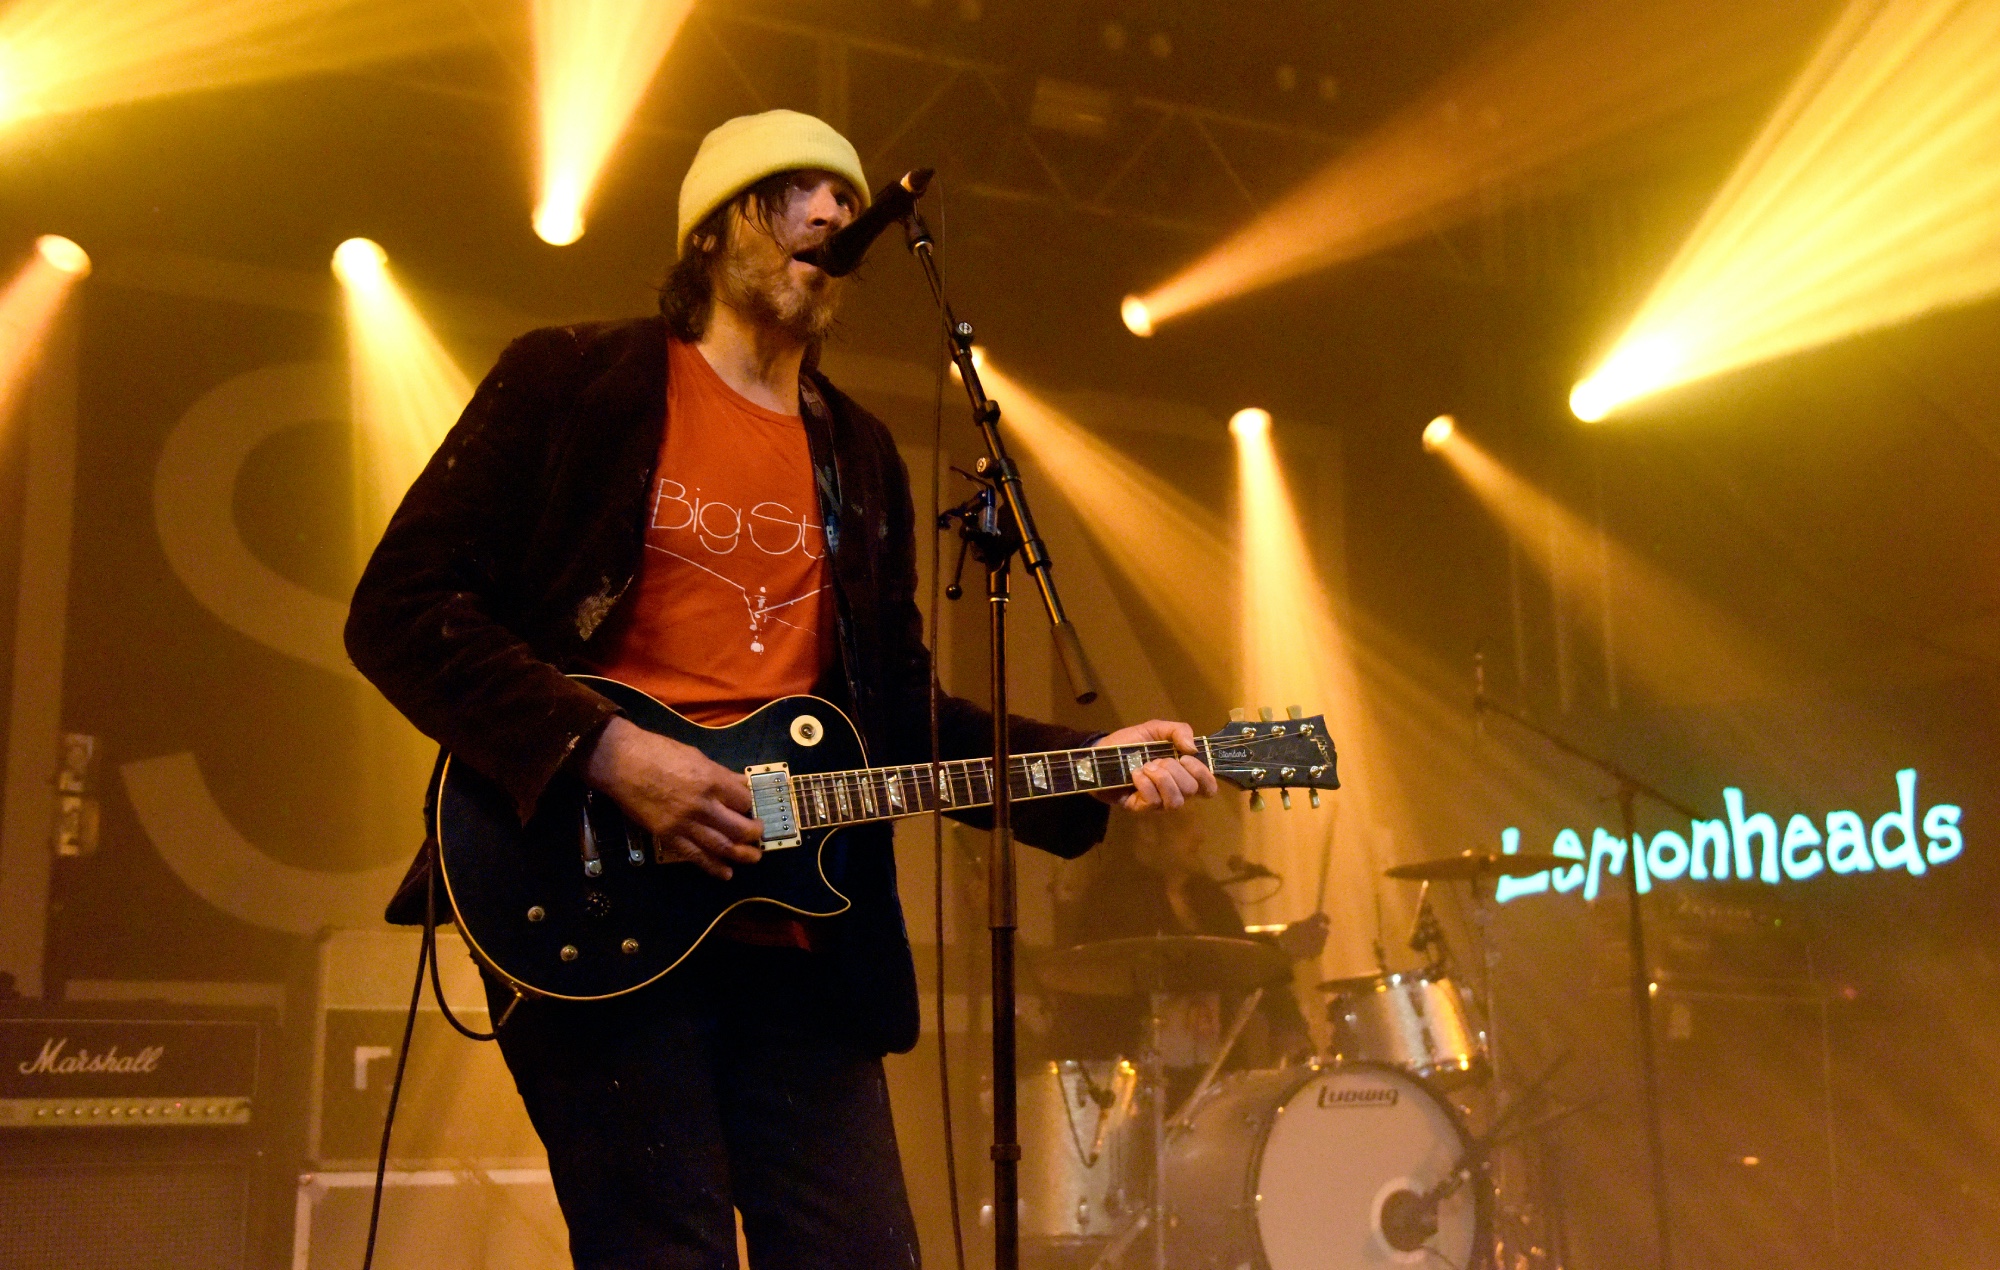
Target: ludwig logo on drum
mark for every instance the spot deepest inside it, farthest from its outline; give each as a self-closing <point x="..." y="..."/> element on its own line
<point x="1331" y="1097"/>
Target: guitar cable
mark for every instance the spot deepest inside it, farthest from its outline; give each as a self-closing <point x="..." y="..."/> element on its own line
<point x="937" y="813"/>
<point x="427" y="959"/>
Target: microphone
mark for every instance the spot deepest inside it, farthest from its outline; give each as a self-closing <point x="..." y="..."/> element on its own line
<point x="841" y="254"/>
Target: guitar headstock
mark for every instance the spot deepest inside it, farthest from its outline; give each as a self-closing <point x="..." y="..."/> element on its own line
<point x="1282" y="754"/>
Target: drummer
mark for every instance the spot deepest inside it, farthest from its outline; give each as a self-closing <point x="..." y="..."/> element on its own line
<point x="1152" y="879"/>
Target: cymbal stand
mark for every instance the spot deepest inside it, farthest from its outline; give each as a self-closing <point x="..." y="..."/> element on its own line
<point x="1629" y="787"/>
<point x="1156" y="1069"/>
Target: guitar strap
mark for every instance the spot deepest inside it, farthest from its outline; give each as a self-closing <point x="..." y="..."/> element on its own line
<point x="820" y="429"/>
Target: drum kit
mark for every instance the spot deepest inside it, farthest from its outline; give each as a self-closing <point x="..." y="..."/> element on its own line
<point x="1362" y="1157"/>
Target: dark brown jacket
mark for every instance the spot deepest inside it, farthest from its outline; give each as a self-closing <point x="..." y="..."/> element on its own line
<point x="526" y="529"/>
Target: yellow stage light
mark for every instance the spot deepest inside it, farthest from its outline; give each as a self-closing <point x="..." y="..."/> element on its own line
<point x="407" y="390"/>
<point x="1249" y="422"/>
<point x="361" y="262"/>
<point x="1871" y="196"/>
<point x="593" y="61"/>
<point x="29" y="308"/>
<point x="1439" y="432"/>
<point x="63" y="254"/>
<point x="1563" y="83"/>
<point x="62" y="56"/>
<point x="1137" y="317"/>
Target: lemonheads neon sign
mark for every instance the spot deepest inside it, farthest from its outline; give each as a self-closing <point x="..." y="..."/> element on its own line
<point x="1744" y="845"/>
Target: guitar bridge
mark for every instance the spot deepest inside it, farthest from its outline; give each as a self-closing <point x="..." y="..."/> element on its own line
<point x="771" y="802"/>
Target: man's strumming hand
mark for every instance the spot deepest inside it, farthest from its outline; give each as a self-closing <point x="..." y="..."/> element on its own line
<point x="697" y="809"/>
<point x="1164" y="783"/>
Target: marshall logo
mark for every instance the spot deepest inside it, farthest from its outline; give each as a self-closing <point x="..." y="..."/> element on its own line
<point x="52" y="1061"/>
<point x="1331" y="1097"/>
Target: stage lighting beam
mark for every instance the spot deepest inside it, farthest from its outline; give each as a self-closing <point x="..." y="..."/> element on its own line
<point x="1439" y="432"/>
<point x="63" y="56"/>
<point x="407" y="390"/>
<point x="29" y="308"/>
<point x="1565" y="81"/>
<point x="593" y="62"/>
<point x="1871" y="196"/>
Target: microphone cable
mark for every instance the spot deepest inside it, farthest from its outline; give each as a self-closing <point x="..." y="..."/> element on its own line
<point x="937" y="812"/>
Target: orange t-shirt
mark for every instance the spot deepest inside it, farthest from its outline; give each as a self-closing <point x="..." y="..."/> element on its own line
<point x="733" y="604"/>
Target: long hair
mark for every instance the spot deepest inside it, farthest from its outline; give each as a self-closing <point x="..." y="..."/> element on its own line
<point x="688" y="295"/>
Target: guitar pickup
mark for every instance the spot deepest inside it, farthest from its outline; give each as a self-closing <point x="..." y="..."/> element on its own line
<point x="771" y="802"/>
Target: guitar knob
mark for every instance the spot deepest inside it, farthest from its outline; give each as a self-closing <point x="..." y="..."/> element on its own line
<point x="1238" y="715"/>
<point x="1256" y="800"/>
<point x="1264" y="713"/>
<point x="1312" y="795"/>
<point x="1293" y="712"/>
<point x="1285" y="798"/>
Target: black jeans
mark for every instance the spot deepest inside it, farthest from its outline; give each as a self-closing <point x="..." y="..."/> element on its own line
<point x="730" y="1082"/>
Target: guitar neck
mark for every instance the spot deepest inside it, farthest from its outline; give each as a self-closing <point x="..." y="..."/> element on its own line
<point x="826" y="800"/>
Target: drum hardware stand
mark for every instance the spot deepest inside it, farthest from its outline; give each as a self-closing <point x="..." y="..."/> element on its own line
<point x="1180" y="1119"/>
<point x="996" y="524"/>
<point x="1629" y="788"/>
<point x="1153" y="1215"/>
<point x="1114" y="1255"/>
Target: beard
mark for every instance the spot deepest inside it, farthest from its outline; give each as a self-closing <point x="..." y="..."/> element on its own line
<point x="755" y="278"/>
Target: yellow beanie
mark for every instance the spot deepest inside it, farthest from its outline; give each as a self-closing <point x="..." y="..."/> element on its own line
<point x="749" y="148"/>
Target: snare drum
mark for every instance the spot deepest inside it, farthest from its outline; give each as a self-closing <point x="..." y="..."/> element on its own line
<point x="1078" y="1132"/>
<point x="1411" y="1021"/>
<point x="1309" y="1168"/>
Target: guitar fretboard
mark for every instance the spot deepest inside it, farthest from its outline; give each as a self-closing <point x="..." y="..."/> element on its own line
<point x="828" y="799"/>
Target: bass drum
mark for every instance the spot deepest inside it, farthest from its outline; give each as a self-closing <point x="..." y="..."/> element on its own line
<point x="1322" y="1168"/>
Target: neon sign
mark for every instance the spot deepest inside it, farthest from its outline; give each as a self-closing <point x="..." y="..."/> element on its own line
<point x="1744" y="845"/>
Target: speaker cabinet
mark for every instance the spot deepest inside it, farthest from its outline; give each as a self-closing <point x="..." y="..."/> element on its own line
<point x="102" y="1200"/>
<point x="459" y="1108"/>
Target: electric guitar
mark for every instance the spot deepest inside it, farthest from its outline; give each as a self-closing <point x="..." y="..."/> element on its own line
<point x="578" y="905"/>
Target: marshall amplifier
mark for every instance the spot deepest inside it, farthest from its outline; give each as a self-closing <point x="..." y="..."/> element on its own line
<point x="127" y="1143"/>
<point x="126" y="1073"/>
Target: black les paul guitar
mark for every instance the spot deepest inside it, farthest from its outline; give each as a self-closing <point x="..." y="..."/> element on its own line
<point x="577" y="905"/>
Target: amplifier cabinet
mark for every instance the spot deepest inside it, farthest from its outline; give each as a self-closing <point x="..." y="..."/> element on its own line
<point x="459" y="1108"/>
<point x="435" y="1219"/>
<point x="58" y="1073"/>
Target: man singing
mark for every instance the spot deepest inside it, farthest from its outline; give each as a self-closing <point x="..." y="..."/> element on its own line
<point x="685" y="504"/>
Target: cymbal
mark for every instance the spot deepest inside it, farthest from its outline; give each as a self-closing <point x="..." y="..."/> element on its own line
<point x="1476" y="866"/>
<point x="1161" y="963"/>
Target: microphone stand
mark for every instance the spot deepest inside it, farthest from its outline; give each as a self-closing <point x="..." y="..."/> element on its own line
<point x="1629" y="788"/>
<point x="994" y="525"/>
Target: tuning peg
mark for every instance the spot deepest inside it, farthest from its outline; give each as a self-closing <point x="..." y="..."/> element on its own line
<point x="1256" y="800"/>
<point x="1238" y="715"/>
<point x="1313" y="796"/>
<point x="1294" y="712"/>
<point x="1264" y="713"/>
<point x="1285" y="799"/>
